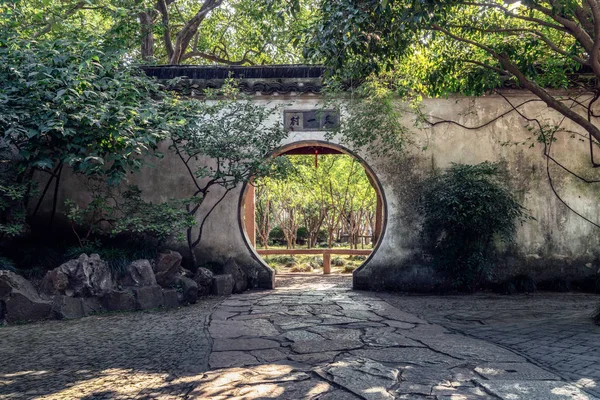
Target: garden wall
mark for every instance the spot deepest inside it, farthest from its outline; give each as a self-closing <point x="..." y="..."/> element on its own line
<point x="558" y="243"/>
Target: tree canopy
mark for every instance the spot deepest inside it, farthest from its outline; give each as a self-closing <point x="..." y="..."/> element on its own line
<point x="455" y="46"/>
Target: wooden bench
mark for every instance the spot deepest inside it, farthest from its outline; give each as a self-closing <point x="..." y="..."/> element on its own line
<point x="326" y="253"/>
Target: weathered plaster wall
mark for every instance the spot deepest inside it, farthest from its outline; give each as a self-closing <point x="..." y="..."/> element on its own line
<point x="557" y="243"/>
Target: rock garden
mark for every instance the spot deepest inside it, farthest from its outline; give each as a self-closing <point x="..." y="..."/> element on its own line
<point x="86" y="285"/>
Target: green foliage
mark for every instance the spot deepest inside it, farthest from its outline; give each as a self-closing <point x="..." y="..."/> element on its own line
<point x="442" y="47"/>
<point x="338" y="261"/>
<point x="7" y="264"/>
<point x="300" y="267"/>
<point x="127" y="213"/>
<point x="234" y="132"/>
<point x="160" y="220"/>
<point x="66" y="103"/>
<point x="283" y="259"/>
<point x="349" y="268"/>
<point x="372" y="117"/>
<point x="464" y="209"/>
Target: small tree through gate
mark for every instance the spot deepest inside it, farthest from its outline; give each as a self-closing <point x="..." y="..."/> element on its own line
<point x="327" y="213"/>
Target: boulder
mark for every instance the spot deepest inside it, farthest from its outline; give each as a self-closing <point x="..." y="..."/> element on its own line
<point x="119" y="300"/>
<point x="66" y="307"/>
<point x="170" y="298"/>
<point x="87" y="276"/>
<point x="167" y="267"/>
<point x="240" y="278"/>
<point x="91" y="305"/>
<point x="203" y="278"/>
<point x="189" y="289"/>
<point x="139" y="273"/>
<point x="20" y="301"/>
<point x="55" y="282"/>
<point x="148" y="297"/>
<point x="222" y="285"/>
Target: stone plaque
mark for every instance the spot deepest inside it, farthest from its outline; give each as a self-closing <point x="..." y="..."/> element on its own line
<point x="311" y="120"/>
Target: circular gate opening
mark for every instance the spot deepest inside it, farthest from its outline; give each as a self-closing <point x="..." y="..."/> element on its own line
<point x="327" y="217"/>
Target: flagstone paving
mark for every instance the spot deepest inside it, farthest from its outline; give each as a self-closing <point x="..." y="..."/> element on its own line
<point x="312" y="338"/>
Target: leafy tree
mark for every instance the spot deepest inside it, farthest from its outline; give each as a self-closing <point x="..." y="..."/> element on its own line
<point x="465" y="208"/>
<point x="68" y="104"/>
<point x="231" y="32"/>
<point x="235" y="135"/>
<point x="113" y="211"/>
<point x="449" y="46"/>
<point x="336" y="195"/>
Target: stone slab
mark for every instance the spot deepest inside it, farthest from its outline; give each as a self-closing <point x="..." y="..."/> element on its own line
<point x="234" y="329"/>
<point x="317" y="346"/>
<point x="243" y="344"/>
<point x="535" y="390"/>
<point x="361" y="376"/>
<point x="514" y="371"/>
<point x="227" y="359"/>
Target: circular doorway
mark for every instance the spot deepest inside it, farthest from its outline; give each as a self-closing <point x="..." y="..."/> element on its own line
<point x="353" y="234"/>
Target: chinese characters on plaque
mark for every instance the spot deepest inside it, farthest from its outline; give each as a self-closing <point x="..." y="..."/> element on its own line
<point x="311" y="120"/>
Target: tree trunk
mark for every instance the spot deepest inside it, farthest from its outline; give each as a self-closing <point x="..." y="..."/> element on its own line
<point x="147" y="35"/>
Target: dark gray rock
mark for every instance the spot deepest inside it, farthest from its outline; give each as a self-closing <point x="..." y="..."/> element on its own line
<point x="167" y="267"/>
<point x="189" y="289"/>
<point x="203" y="278"/>
<point x="240" y="278"/>
<point x="148" y="297"/>
<point x="21" y="302"/>
<point x="91" y="305"/>
<point x="85" y="277"/>
<point x="139" y="273"/>
<point x="66" y="307"/>
<point x="222" y="285"/>
<point x="99" y="278"/>
<point x="170" y="299"/>
<point x="54" y="282"/>
<point x="119" y="300"/>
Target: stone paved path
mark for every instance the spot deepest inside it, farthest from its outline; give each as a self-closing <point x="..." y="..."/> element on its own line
<point x="321" y="341"/>
<point x="554" y="330"/>
<point x="313" y="338"/>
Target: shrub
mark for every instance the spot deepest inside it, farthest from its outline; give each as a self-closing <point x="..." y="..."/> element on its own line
<point x="318" y="261"/>
<point x="349" y="268"/>
<point x="465" y="208"/>
<point x="301" y="268"/>
<point x="524" y="284"/>
<point x="357" y="258"/>
<point x="283" y="259"/>
<point x="556" y="285"/>
<point x="338" y="261"/>
<point x="7" y="264"/>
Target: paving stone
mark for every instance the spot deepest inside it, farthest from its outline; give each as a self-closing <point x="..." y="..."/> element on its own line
<point x="408" y="355"/>
<point x="233" y="329"/>
<point x="301" y="335"/>
<point x="243" y="344"/>
<point x="535" y="390"/>
<point x="315" y="358"/>
<point x="317" y="346"/>
<point x="269" y="355"/>
<point x="226" y="359"/>
<point x="513" y="371"/>
<point x="363" y="377"/>
<point x="473" y="349"/>
<point x="382" y="338"/>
